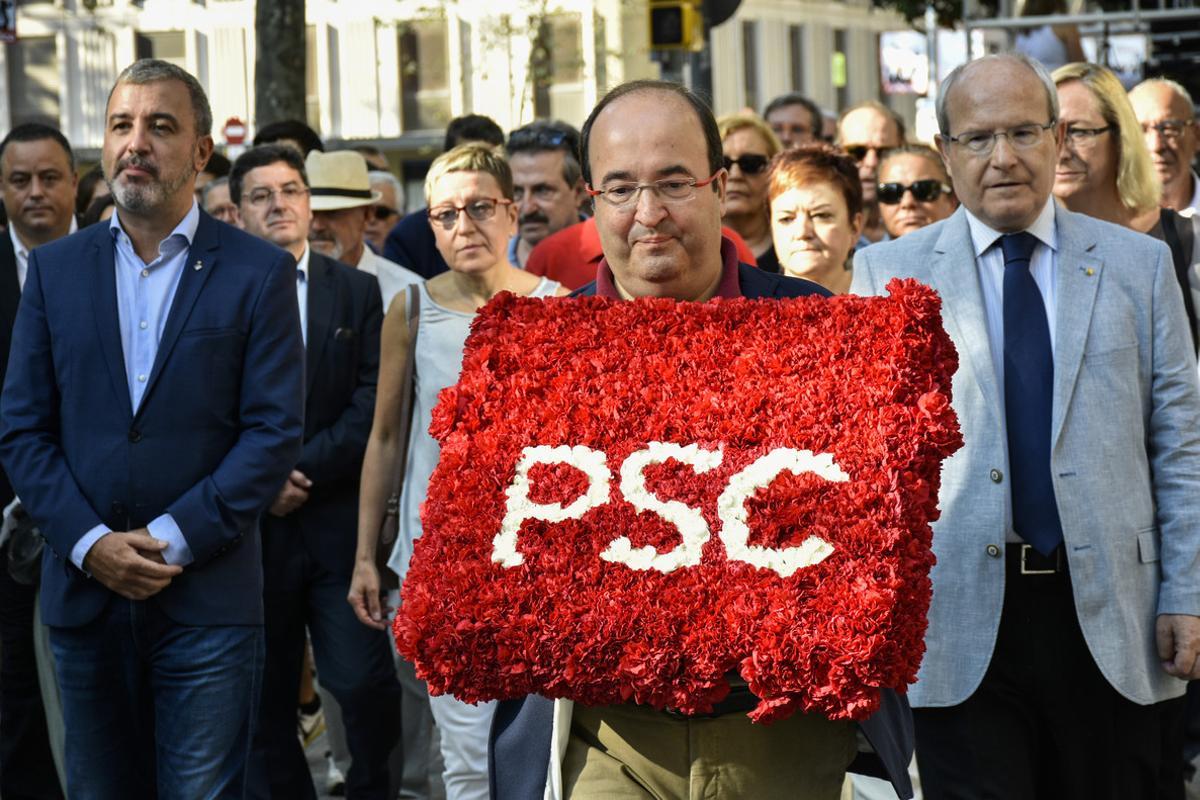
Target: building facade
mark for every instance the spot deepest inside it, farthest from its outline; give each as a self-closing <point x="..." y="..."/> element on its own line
<point x="393" y="72"/>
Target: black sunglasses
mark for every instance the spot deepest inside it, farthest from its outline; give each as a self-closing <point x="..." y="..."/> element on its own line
<point x="750" y="165"/>
<point x="923" y="191"/>
<point x="383" y="213"/>
<point x="859" y="151"/>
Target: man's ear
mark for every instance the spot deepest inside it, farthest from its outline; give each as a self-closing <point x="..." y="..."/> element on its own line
<point x="204" y="151"/>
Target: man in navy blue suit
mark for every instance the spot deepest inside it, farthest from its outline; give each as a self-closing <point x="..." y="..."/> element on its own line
<point x="152" y="409"/>
<point x="309" y="532"/>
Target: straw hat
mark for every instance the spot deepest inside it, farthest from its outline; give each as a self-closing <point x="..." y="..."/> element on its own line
<point x="339" y="180"/>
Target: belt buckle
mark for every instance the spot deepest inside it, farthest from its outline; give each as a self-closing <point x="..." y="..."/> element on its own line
<point x="1025" y="548"/>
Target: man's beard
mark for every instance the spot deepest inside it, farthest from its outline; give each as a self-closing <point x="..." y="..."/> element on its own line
<point x="146" y="197"/>
<point x="330" y="248"/>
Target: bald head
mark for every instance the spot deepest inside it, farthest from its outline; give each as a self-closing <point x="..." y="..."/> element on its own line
<point x="1164" y="110"/>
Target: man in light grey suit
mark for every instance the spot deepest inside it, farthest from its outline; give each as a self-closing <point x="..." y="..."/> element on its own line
<point x="1067" y="586"/>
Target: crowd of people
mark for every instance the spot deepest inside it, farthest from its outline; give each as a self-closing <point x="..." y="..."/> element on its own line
<point x="219" y="380"/>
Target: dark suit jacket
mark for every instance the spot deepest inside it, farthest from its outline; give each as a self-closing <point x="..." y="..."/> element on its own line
<point x="411" y="244"/>
<point x="10" y="296"/>
<point x="519" y="750"/>
<point x="345" y="314"/>
<point x="218" y="430"/>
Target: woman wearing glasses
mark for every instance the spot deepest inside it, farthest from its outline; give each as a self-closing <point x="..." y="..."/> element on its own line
<point x="1105" y="171"/>
<point x="748" y="144"/>
<point x="470" y="194"/>
<point x="816" y="213"/>
<point x="913" y="190"/>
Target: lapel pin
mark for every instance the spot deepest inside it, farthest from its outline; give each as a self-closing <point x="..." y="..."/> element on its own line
<point x="200" y="265"/>
<point x="1088" y="271"/>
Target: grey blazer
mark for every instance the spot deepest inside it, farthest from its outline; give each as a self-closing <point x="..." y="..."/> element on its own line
<point x="1125" y="454"/>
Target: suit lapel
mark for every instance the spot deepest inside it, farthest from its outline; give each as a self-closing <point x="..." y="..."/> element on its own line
<point x="1077" y="276"/>
<point x="199" y="265"/>
<point x="103" y="278"/>
<point x="321" y="289"/>
<point x="956" y="276"/>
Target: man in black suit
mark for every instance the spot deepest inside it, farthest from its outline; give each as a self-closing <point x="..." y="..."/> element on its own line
<point x="309" y="532"/>
<point x="37" y="172"/>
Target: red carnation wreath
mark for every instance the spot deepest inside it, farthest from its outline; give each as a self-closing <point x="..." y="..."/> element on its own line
<point x="636" y="498"/>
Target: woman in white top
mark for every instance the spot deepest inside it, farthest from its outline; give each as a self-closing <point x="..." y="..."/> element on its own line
<point x="469" y="191"/>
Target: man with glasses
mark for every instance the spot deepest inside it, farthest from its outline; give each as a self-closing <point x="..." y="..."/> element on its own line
<point x="652" y="160"/>
<point x="1066" y="600"/>
<point x="342" y="198"/>
<point x="384" y="214"/>
<point x="867" y="132"/>
<point x="308" y="532"/>
<point x="547" y="183"/>
<point x="1165" y="110"/>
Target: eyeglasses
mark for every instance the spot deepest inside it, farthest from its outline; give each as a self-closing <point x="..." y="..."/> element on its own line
<point x="383" y="213"/>
<point x="1169" y="129"/>
<point x="290" y="193"/>
<point x="925" y="191"/>
<point x="1085" y="137"/>
<point x="625" y="195"/>
<point x="481" y="210"/>
<point x="750" y="165"/>
<point x="859" y="151"/>
<point x="981" y="143"/>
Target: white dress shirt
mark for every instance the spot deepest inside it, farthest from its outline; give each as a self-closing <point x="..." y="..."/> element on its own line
<point x="392" y="277"/>
<point x="302" y="293"/>
<point x="1194" y="203"/>
<point x="23" y="252"/>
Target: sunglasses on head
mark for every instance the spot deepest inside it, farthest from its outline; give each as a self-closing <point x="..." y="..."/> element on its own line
<point x="923" y="191"/>
<point x="859" y="151"/>
<point x="750" y="165"/>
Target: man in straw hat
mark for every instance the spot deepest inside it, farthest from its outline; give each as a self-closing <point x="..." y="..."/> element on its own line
<point x="341" y="202"/>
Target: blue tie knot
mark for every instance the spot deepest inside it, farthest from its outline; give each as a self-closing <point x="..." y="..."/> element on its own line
<point x="1018" y="247"/>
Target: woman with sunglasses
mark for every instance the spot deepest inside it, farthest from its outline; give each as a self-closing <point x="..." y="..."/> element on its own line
<point x="913" y="190"/>
<point x="748" y="144"/>
<point x="816" y="210"/>
<point x="470" y="194"/>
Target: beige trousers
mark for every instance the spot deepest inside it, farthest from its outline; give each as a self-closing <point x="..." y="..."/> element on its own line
<point x="636" y="752"/>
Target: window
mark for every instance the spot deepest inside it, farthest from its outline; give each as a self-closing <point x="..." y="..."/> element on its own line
<point x="556" y="66"/>
<point x="424" y="75"/>
<point x="33" y="80"/>
<point x="796" y="56"/>
<point x="312" y="86"/>
<point x="750" y="63"/>
<point x="838" y="68"/>
<point x="164" y="45"/>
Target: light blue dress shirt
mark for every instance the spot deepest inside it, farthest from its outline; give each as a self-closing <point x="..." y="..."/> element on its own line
<point x="989" y="259"/>
<point x="144" y="296"/>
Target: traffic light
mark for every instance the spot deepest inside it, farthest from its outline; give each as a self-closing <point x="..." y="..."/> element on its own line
<point x="676" y="25"/>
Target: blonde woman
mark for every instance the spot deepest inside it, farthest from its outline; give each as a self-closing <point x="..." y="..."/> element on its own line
<point x="470" y="195"/>
<point x="748" y="145"/>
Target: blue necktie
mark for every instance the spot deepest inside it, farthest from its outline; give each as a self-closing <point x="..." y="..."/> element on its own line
<point x="1028" y="389"/>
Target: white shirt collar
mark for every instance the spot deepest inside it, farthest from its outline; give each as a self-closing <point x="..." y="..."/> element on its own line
<point x="984" y="236"/>
<point x="22" y="252"/>
<point x="1193" y="204"/>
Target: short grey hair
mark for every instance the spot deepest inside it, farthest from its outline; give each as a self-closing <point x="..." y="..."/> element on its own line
<point x="153" y="70"/>
<point x="215" y="183"/>
<point x="1175" y="86"/>
<point x="943" y="115"/>
<point x="383" y="176"/>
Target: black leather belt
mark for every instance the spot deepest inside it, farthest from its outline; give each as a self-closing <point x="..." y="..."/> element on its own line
<point x="739" y="700"/>
<point x="1023" y="560"/>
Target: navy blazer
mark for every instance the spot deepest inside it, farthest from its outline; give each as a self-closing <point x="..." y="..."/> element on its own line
<point x="519" y="749"/>
<point x="217" y="433"/>
<point x="345" y="314"/>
